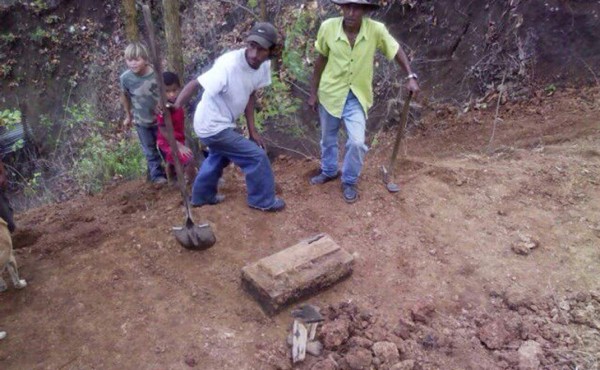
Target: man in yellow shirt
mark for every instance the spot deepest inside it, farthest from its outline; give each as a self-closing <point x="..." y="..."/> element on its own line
<point x="342" y="86"/>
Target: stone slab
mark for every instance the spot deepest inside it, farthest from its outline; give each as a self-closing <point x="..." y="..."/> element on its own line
<point x="296" y="272"/>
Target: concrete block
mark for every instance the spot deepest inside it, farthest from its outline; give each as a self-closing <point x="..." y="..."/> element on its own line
<point x="296" y="272"/>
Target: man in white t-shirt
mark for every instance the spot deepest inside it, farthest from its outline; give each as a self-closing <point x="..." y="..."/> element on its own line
<point x="229" y="90"/>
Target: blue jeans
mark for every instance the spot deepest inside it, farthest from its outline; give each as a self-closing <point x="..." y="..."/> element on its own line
<point x="147" y="136"/>
<point x="355" y="122"/>
<point x="227" y="146"/>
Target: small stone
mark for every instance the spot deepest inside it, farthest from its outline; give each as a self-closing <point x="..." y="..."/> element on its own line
<point x="422" y="312"/>
<point x="315" y="348"/>
<point x="357" y="341"/>
<point x="327" y="364"/>
<point x="494" y="335"/>
<point x="529" y="353"/>
<point x="387" y="352"/>
<point x="404" y="365"/>
<point x="190" y="361"/>
<point x="525" y="245"/>
<point x="335" y="333"/>
<point x="358" y="358"/>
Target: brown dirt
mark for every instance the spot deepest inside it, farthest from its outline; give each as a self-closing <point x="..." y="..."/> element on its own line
<point x="435" y="272"/>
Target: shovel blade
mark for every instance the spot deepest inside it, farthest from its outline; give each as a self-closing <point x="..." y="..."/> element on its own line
<point x="392" y="187"/>
<point x="195" y="237"/>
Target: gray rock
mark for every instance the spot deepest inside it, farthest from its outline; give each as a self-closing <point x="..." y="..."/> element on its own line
<point x="404" y="365"/>
<point x="335" y="333"/>
<point x="327" y="364"/>
<point x="529" y="355"/>
<point x="315" y="348"/>
<point x="358" y="358"/>
<point x="387" y="352"/>
<point x="494" y="334"/>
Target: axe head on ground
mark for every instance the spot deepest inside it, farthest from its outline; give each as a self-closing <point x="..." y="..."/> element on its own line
<point x="308" y="314"/>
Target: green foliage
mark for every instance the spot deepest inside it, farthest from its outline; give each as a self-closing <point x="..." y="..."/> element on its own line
<point x="550" y="89"/>
<point x="52" y="19"/>
<point x="277" y="104"/>
<point x="101" y="160"/>
<point x="38" y="6"/>
<point x="33" y="185"/>
<point x="5" y="70"/>
<point x="298" y="46"/>
<point x="10" y="118"/>
<point x="8" y="38"/>
<point x="252" y="3"/>
<point x="38" y="35"/>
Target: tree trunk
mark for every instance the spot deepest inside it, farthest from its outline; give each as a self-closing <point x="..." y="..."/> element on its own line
<point x="175" y="58"/>
<point x="130" y="20"/>
<point x="263" y="11"/>
<point x="173" y="35"/>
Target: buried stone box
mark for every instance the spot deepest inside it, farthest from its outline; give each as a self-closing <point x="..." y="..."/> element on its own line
<point x="296" y="272"/>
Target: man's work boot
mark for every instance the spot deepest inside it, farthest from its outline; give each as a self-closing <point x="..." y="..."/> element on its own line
<point x="322" y="178"/>
<point x="350" y="193"/>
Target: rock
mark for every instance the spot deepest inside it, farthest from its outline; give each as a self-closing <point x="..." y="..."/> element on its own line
<point x="422" y="312"/>
<point x="387" y="352"/>
<point x="377" y="333"/>
<point x="564" y="305"/>
<point x="327" y="364"/>
<point x="315" y="348"/>
<point x="190" y="361"/>
<point x="516" y="297"/>
<point x="404" y="365"/>
<point x="430" y="341"/>
<point x="529" y="353"/>
<point x="335" y="332"/>
<point x="360" y="342"/>
<point x="525" y="245"/>
<point x="494" y="335"/>
<point x="404" y="328"/>
<point x="358" y="358"/>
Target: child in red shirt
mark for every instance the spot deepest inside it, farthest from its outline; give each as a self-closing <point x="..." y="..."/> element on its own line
<point x="173" y="87"/>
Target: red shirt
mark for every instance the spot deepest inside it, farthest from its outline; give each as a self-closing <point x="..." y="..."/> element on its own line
<point x="178" y="119"/>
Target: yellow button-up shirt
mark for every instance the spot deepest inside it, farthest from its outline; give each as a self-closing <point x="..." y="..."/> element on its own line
<point x="350" y="68"/>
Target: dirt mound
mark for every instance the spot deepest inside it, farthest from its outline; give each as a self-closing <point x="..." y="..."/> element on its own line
<point x="436" y="282"/>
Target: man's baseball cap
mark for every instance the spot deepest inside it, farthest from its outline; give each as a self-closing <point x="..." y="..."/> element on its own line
<point x="264" y="34"/>
<point x="371" y="4"/>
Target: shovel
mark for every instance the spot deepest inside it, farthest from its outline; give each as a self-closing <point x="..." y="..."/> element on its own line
<point x="190" y="236"/>
<point x="391" y="186"/>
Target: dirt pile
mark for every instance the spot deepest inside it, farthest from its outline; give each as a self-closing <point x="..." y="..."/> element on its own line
<point x="519" y="334"/>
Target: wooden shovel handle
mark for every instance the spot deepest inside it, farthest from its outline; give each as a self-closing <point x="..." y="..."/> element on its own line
<point x="162" y="101"/>
<point x="400" y="134"/>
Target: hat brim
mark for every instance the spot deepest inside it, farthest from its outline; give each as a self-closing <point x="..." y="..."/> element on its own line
<point x="357" y="2"/>
<point x="261" y="41"/>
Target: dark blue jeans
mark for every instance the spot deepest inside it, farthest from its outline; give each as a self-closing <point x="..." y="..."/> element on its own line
<point x="147" y="136"/>
<point x="227" y="146"/>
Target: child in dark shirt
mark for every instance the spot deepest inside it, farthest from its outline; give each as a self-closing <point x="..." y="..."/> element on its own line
<point x="173" y="87"/>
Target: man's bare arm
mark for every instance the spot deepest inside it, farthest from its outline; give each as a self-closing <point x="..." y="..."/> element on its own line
<point x="189" y="90"/>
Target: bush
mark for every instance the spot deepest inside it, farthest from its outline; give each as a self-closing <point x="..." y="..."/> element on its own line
<point x="102" y="160"/>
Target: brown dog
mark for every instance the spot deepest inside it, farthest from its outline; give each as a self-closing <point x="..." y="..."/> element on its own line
<point x="7" y="259"/>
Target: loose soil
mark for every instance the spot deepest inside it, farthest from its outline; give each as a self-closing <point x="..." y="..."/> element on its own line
<point x="436" y="272"/>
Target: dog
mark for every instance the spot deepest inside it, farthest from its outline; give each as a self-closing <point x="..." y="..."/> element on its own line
<point x="7" y="259"/>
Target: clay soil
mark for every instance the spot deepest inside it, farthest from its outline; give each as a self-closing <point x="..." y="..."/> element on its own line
<point x="436" y="272"/>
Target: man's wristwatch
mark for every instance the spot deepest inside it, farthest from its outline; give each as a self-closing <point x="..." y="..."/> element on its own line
<point x="412" y="75"/>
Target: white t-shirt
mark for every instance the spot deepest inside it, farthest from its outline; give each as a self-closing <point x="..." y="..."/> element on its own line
<point x="227" y="88"/>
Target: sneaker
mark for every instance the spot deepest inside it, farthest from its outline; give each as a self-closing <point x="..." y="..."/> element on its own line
<point x="323" y="178"/>
<point x="216" y="200"/>
<point x="350" y="193"/>
<point x="160" y="180"/>
<point x="279" y="205"/>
